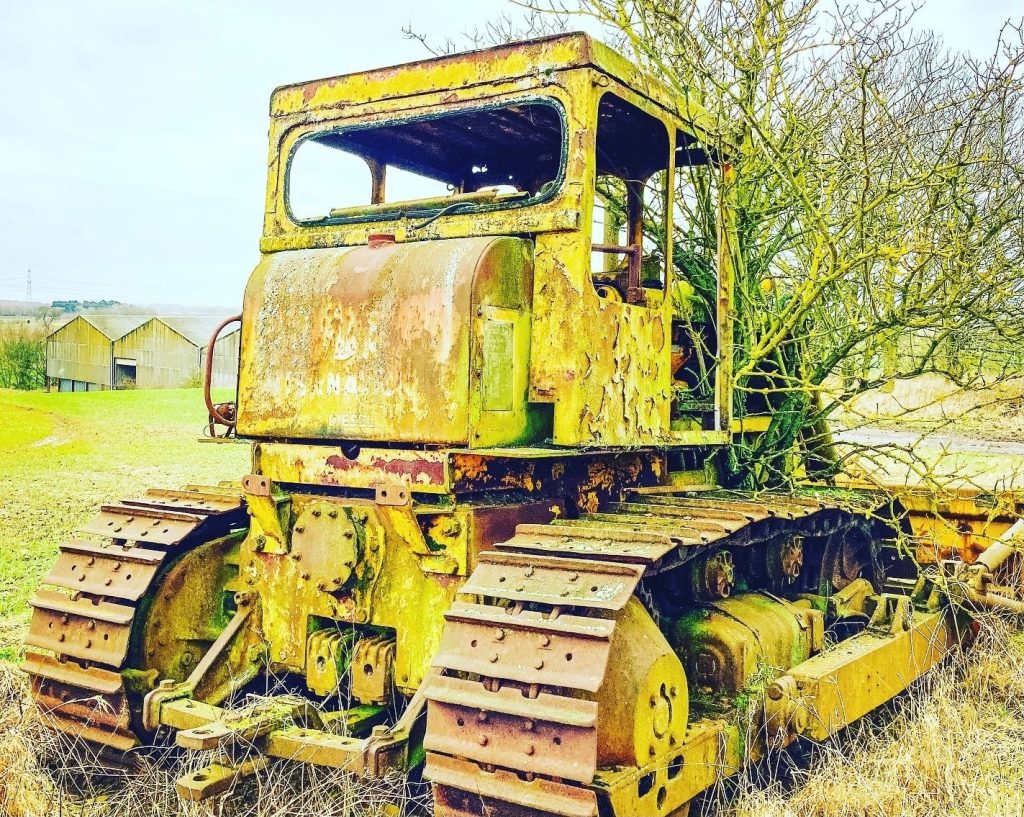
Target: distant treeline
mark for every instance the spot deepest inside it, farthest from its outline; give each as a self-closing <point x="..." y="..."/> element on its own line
<point x="75" y="306"/>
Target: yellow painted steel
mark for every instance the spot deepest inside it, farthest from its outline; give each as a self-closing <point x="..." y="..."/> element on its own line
<point x="425" y="342"/>
<point x="603" y="367"/>
<point x="839" y="686"/>
<point x="643" y="704"/>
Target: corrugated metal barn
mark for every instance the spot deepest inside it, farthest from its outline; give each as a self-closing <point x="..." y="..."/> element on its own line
<point x="79" y="354"/>
<point x="102" y="352"/>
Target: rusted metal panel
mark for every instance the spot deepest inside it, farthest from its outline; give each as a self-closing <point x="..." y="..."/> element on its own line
<point x="381" y="343"/>
<point x="92" y="724"/>
<point x="550" y="580"/>
<point x="187" y="501"/>
<point x="599" y="525"/>
<point x="461" y="789"/>
<point x="549" y="734"/>
<point x="68" y="673"/>
<point x="79" y="628"/>
<point x="128" y="552"/>
<point x="606" y="367"/>
<point x="104" y="574"/>
<point x="716" y="521"/>
<point x="143" y="524"/>
<point x="557" y="542"/>
<point x="500" y="64"/>
<point x="363" y="467"/>
<point x="571" y="651"/>
<point x="86" y="712"/>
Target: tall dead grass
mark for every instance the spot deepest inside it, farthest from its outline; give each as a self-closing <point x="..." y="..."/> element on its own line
<point x="45" y="773"/>
<point x="952" y="746"/>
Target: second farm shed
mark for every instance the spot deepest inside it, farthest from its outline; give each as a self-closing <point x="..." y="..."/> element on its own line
<point x="169" y="352"/>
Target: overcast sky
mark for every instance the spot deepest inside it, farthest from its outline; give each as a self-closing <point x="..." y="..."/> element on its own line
<point x="133" y="137"/>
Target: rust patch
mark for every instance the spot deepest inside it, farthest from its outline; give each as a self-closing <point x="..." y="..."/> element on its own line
<point x="418" y="471"/>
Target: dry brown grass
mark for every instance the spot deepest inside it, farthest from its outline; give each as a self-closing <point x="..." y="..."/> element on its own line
<point x="950" y="747"/>
<point x="45" y="773"/>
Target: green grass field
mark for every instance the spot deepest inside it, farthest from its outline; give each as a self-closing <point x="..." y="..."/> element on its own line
<point x="63" y="455"/>
<point x="950" y="748"/>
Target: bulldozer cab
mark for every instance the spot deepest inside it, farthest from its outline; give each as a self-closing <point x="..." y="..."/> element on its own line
<point x="491" y="249"/>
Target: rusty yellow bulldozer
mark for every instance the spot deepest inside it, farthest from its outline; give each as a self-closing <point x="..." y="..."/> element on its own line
<point x="483" y="536"/>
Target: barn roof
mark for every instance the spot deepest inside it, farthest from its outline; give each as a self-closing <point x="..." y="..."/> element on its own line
<point x="194" y="328"/>
<point x="112" y="327"/>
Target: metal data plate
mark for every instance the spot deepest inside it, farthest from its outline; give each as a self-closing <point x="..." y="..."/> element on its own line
<point x="143" y="524"/>
<point x="79" y="628"/>
<point x="523" y="741"/>
<point x="555" y="581"/>
<point x="569" y="651"/>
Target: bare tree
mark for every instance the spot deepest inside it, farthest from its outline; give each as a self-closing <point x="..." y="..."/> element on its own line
<point x="879" y="199"/>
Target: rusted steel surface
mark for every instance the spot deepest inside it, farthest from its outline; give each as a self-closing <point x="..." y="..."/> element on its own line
<point x="166" y="499"/>
<point x="949" y="522"/>
<point x="520" y="738"/>
<point x="406" y="355"/>
<point x="548" y="734"/>
<point x="547" y="609"/>
<point x="114" y="573"/>
<point x="97" y="633"/>
<point x="548" y="580"/>
<point x="527" y="648"/>
<point x="357" y="467"/>
<point x="136" y="524"/>
<point x="589" y="478"/>
<point x="659" y="530"/>
<point x="959" y="523"/>
<point x="603" y="368"/>
<point x="520" y="717"/>
<point x="462" y="790"/>
<point x="85" y="626"/>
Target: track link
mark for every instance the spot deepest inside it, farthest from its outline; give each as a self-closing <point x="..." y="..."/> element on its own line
<point x="510" y="732"/>
<point x="81" y="631"/>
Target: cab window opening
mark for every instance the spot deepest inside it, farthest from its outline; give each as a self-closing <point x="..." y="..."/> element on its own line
<point x="456" y="161"/>
<point x="695" y="282"/>
<point x="632" y="155"/>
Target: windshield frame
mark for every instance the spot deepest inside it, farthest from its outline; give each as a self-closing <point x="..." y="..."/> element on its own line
<point x="555" y="187"/>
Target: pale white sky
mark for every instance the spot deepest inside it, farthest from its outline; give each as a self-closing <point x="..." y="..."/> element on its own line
<point x="133" y="133"/>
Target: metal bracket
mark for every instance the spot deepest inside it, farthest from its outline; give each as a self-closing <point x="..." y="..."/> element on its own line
<point x="256" y="485"/>
<point x="394" y="495"/>
<point x="170" y="690"/>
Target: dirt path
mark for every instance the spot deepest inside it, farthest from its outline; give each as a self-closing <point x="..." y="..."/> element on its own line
<point x="953" y="443"/>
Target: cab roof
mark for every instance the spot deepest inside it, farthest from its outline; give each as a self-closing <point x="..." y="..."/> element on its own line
<point x="503" y="63"/>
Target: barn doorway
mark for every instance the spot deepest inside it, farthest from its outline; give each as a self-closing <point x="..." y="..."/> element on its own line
<point x="124" y="373"/>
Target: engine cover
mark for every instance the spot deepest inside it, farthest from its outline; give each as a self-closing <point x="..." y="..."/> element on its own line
<point x="732" y="644"/>
<point x="419" y="342"/>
